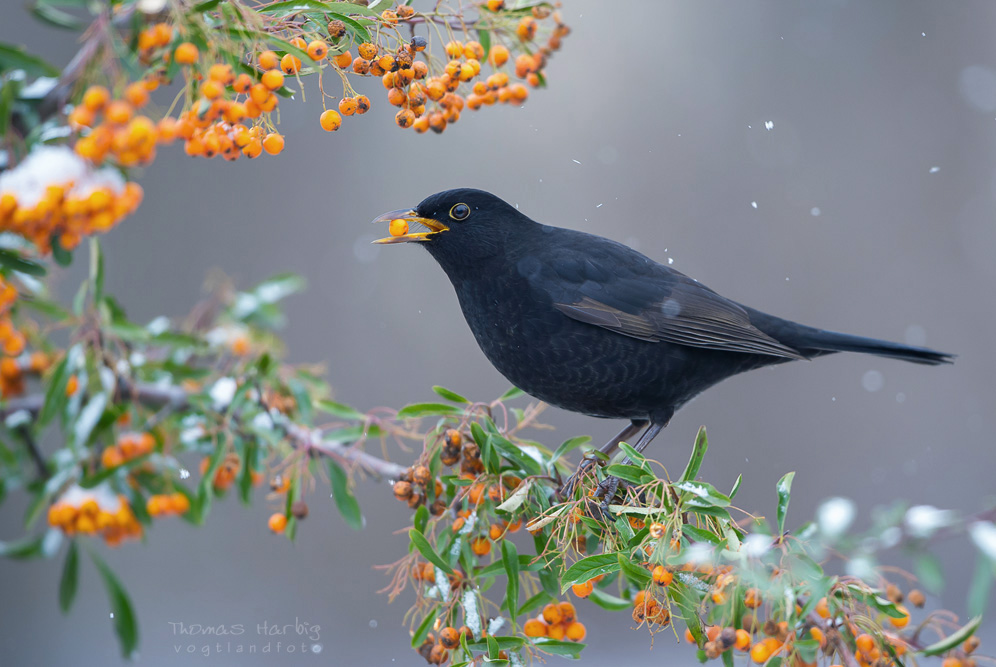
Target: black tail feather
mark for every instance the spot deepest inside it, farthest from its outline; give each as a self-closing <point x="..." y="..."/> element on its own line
<point x="831" y="341"/>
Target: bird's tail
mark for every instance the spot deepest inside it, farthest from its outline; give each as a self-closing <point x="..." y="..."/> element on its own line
<point x="831" y="341"/>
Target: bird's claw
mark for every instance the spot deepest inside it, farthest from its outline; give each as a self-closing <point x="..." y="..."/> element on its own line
<point x="587" y="461"/>
<point x="606" y="491"/>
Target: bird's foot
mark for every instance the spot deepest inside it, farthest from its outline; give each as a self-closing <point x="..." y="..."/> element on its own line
<point x="589" y="460"/>
<point x="606" y="491"/>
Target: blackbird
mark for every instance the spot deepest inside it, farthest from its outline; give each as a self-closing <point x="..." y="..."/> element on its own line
<point x="592" y="326"/>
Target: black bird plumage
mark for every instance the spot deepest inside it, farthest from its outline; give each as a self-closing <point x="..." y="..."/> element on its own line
<point x="592" y="326"/>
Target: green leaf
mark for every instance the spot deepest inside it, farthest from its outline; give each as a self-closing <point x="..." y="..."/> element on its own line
<point x="535" y="602"/>
<point x="125" y="624"/>
<point x="636" y="574"/>
<point x="449" y="395"/>
<point x="69" y="582"/>
<point x="493" y="648"/>
<point x="632" y="453"/>
<point x="982" y="584"/>
<point x="609" y="602"/>
<point x="424" y="548"/>
<point x="703" y="493"/>
<point x="55" y="392"/>
<point x="569" y="445"/>
<point x="314" y="7"/>
<point x="698" y="455"/>
<point x="344" y="498"/>
<point x="9" y="93"/>
<point x="423" y="631"/>
<point x="26" y="547"/>
<point x="510" y="559"/>
<point x="589" y="568"/>
<point x="559" y="647"/>
<point x="784" y="495"/>
<point x="55" y="16"/>
<point x="484" y="37"/>
<point x="339" y="410"/>
<point x="736" y="486"/>
<point x="96" y="269"/>
<point x="928" y="571"/>
<point x="629" y="473"/>
<point x="514" y="392"/>
<point x="426" y="409"/>
<point x="61" y="256"/>
<point x="954" y="639"/>
<point x="15" y="57"/>
<point x="12" y="260"/>
<point x="421" y="518"/>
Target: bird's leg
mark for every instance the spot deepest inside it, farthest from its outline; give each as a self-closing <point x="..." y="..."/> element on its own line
<point x="606" y="489"/>
<point x="629" y="431"/>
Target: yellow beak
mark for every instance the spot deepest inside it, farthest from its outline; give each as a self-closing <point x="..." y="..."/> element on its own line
<point x="409" y="216"/>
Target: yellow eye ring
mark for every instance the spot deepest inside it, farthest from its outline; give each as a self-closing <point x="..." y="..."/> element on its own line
<point x="460" y="212"/>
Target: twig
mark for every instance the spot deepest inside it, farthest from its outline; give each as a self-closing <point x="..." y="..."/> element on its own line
<point x="32" y="447"/>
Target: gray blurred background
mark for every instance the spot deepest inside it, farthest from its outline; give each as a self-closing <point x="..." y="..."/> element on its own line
<point x="874" y="189"/>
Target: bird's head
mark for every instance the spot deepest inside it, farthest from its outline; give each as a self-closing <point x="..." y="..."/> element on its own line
<point x="457" y="226"/>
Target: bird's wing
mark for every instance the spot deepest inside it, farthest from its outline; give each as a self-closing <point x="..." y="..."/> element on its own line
<point x="634" y="296"/>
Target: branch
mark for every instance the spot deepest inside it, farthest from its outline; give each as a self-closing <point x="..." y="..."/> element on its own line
<point x="176" y="399"/>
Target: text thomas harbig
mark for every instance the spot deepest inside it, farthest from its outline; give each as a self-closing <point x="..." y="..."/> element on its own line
<point x="264" y="637"/>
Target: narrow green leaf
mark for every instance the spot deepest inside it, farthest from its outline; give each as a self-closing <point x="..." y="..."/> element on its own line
<point x="55" y="392"/>
<point x="559" y="647"/>
<point x="514" y="392"/>
<point x="421" y="518"/>
<point x="69" y="582"/>
<point x="589" y="568"/>
<point x="954" y="639"/>
<point x="61" y="256"/>
<point x="125" y="624"/>
<point x="426" y="409"/>
<point x="981" y="586"/>
<point x="423" y="631"/>
<point x="15" y="57"/>
<point x="704" y="493"/>
<point x="609" y="602"/>
<point x="493" y="648"/>
<point x="26" y="547"/>
<point x="928" y="571"/>
<point x="698" y="455"/>
<point x="484" y="37"/>
<point x="510" y="559"/>
<point x="449" y="395"/>
<point x="784" y="495"/>
<point x="348" y="506"/>
<point x="628" y="473"/>
<point x="424" y="548"/>
<point x="634" y="455"/>
<point x="55" y="16"/>
<point x="535" y="602"/>
<point x="12" y="260"/>
<point x="96" y="269"/>
<point x="569" y="445"/>
<point x="637" y="574"/>
<point x="736" y="486"/>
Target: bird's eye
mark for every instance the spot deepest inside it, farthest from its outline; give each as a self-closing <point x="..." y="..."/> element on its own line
<point x="460" y="212"/>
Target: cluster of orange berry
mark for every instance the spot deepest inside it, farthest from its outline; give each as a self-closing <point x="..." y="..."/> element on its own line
<point x="81" y="512"/>
<point x="112" y="128"/>
<point x="128" y="446"/>
<point x="91" y="203"/>
<point x="227" y="472"/>
<point x="436" y="650"/>
<point x="557" y="621"/>
<point x="12" y="344"/>
<point x="12" y="369"/>
<point x="167" y="504"/>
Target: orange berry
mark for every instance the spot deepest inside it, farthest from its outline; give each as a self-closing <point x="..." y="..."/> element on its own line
<point x="186" y="54"/>
<point x="72" y="385"/>
<point x="317" y="50"/>
<point x="662" y="576"/>
<point x="362" y="104"/>
<point x="136" y="94"/>
<point x="742" y="642"/>
<point x="343" y="60"/>
<point x="498" y="55"/>
<point x="96" y="97"/>
<point x="481" y="546"/>
<point x="404" y="118"/>
<point x="253" y="149"/>
<point x="222" y="73"/>
<point x="387" y="63"/>
<point x="583" y="590"/>
<point x="534" y="628"/>
<point x="367" y="50"/>
<point x="449" y="637"/>
<point x="575" y="631"/>
<point x="277" y="522"/>
<point x="268" y="60"/>
<point x="330" y="120"/>
<point x="273" y="143"/>
<point x="347" y="106"/>
<point x="551" y="614"/>
<point x="902" y="621"/>
<point x="118" y="112"/>
<point x="496" y="5"/>
<point x="211" y="89"/>
<point x="864" y="642"/>
<point x="272" y="79"/>
<point x="822" y="610"/>
<point x="290" y="64"/>
<point x="454" y="49"/>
